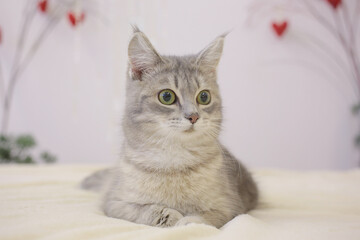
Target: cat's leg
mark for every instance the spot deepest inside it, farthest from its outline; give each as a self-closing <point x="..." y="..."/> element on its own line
<point x="97" y="180"/>
<point x="149" y="214"/>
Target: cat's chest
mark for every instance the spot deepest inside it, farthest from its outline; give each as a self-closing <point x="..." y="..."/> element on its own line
<point x="199" y="190"/>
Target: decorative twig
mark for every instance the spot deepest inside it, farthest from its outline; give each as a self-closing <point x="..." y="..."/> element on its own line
<point x="337" y="34"/>
<point x="2" y="84"/>
<point x="349" y="24"/>
<point x="345" y="33"/>
<point x="335" y="58"/>
<point x="19" y="67"/>
<point x="320" y="18"/>
<point x="356" y="20"/>
<point x="29" y="14"/>
<point x="21" y="62"/>
<point x="353" y="33"/>
<point x="308" y="65"/>
<point x="348" y="50"/>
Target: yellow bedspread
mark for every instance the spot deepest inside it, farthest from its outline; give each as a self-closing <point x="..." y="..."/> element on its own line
<point x="46" y="203"/>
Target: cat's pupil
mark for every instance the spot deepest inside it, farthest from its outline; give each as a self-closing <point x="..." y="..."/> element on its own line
<point x="166" y="96"/>
<point x="203" y="96"/>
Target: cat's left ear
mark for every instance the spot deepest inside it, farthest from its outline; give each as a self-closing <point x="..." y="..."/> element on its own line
<point x="209" y="58"/>
<point x="142" y="55"/>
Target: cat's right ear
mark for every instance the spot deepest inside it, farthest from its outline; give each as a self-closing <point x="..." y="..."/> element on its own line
<point x="142" y="55"/>
<point x="209" y="58"/>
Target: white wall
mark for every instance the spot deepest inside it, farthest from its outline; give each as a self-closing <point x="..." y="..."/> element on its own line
<point x="285" y="103"/>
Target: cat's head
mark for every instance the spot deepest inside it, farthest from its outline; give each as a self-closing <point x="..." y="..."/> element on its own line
<point x="172" y="97"/>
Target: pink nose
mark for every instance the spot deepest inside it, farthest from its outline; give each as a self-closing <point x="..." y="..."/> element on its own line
<point x="193" y="117"/>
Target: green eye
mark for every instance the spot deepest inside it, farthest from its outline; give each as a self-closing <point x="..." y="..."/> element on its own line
<point x="203" y="97"/>
<point x="167" y="97"/>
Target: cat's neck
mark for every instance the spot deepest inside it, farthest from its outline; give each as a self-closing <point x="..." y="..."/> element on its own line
<point x="171" y="155"/>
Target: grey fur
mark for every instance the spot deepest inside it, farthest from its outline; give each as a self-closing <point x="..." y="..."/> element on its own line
<point x="173" y="172"/>
<point x="96" y="181"/>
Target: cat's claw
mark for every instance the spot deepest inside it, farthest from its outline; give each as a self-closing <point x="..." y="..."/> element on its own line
<point x="168" y="217"/>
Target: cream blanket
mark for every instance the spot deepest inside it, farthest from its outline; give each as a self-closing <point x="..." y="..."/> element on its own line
<point x="45" y="202"/>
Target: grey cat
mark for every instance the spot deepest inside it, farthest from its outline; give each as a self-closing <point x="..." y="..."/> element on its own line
<point x="173" y="170"/>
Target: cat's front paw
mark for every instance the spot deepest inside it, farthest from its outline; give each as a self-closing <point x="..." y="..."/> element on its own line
<point x="191" y="219"/>
<point x="168" y="217"/>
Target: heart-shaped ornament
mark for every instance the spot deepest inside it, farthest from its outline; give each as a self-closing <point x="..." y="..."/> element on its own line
<point x="75" y="19"/>
<point x="334" y="3"/>
<point x="72" y="18"/>
<point x="279" y="27"/>
<point x="43" y="5"/>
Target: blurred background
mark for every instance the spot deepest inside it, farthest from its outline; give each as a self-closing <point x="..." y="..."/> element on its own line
<point x="289" y="75"/>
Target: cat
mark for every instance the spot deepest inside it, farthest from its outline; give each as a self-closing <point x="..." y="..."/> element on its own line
<point x="173" y="170"/>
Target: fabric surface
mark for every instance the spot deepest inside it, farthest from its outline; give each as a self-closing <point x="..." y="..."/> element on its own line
<point x="46" y="203"/>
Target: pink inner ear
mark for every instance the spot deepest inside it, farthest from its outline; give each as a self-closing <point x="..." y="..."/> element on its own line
<point x="136" y="72"/>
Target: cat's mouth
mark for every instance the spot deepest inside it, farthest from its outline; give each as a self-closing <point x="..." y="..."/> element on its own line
<point x="190" y="129"/>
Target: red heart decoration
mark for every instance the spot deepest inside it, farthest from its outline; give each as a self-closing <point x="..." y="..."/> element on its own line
<point x="74" y="20"/>
<point x="334" y="3"/>
<point x="42" y="5"/>
<point x="279" y="28"/>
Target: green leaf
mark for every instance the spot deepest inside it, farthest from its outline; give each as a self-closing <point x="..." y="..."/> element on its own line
<point x="4" y="139"/>
<point x="16" y="159"/>
<point x="28" y="159"/>
<point x="25" y="141"/>
<point x="48" y="157"/>
<point x="357" y="140"/>
<point x="356" y="109"/>
<point x="5" y="154"/>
